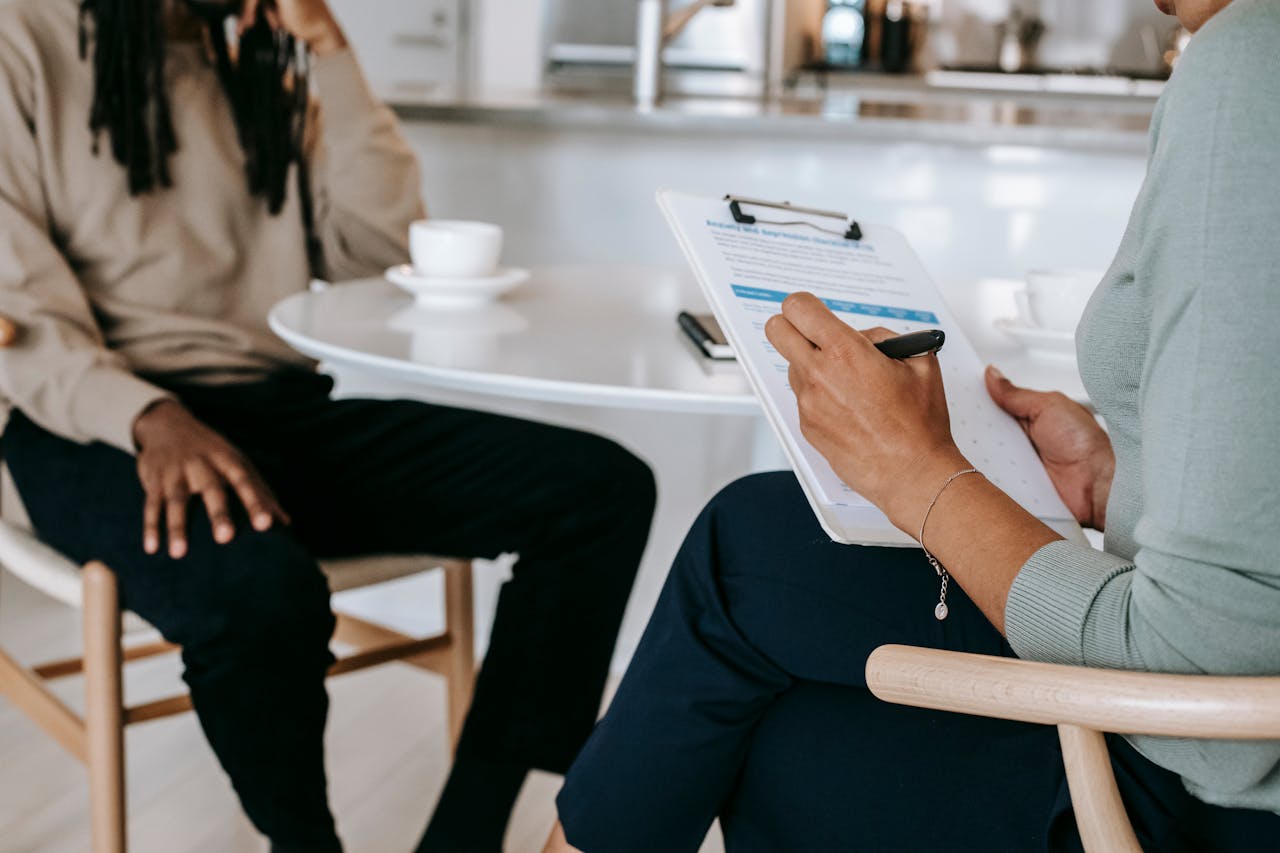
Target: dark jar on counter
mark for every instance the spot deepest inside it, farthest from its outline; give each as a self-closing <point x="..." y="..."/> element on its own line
<point x="896" y="47"/>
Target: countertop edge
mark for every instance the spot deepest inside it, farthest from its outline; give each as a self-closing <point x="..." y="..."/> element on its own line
<point x="613" y="117"/>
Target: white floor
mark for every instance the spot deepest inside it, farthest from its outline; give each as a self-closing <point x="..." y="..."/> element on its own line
<point x="387" y="757"/>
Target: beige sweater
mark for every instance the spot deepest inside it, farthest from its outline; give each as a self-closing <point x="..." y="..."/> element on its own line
<point x="110" y="290"/>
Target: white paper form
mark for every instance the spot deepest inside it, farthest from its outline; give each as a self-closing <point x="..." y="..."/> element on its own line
<point x="747" y="271"/>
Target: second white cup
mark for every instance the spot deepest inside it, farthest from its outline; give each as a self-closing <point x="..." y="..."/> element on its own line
<point x="1055" y="299"/>
<point x="451" y="248"/>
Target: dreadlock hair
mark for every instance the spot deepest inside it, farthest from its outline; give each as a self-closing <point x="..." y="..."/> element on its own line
<point x="266" y="84"/>
<point x="129" y="100"/>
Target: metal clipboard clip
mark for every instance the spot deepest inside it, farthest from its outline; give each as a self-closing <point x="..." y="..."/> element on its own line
<point x="852" y="231"/>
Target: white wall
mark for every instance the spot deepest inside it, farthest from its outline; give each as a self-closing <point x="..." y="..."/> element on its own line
<point x="588" y="195"/>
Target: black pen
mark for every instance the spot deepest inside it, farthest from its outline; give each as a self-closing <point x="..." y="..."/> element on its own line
<point x="913" y="344"/>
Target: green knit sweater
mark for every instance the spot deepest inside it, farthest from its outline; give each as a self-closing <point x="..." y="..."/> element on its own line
<point x="1178" y="351"/>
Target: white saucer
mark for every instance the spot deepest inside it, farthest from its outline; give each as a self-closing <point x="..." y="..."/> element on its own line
<point x="441" y="292"/>
<point x="1045" y="343"/>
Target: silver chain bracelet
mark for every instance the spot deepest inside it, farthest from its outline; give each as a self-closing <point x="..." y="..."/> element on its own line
<point x="940" y="611"/>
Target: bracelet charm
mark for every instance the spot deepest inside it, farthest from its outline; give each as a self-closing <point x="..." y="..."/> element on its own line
<point x="940" y="610"/>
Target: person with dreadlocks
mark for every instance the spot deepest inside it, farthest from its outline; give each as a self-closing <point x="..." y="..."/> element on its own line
<point x="164" y="179"/>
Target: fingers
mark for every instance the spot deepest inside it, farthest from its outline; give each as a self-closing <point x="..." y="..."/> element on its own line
<point x="167" y="504"/>
<point x="151" y="521"/>
<point x="248" y="15"/>
<point x="879" y="333"/>
<point x="215" y="503"/>
<point x="787" y="340"/>
<point x="206" y="483"/>
<point x="1022" y="403"/>
<point x="259" y="502"/>
<point x="815" y="321"/>
<point x="176" y="496"/>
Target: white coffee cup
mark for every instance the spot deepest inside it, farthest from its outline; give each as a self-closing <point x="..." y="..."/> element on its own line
<point x="454" y="249"/>
<point x="1055" y="299"/>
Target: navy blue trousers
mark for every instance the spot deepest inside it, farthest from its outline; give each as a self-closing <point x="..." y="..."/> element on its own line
<point x="361" y="477"/>
<point x="746" y="700"/>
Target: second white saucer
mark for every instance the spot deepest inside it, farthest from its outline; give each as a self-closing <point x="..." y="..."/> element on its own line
<point x="1044" y="343"/>
<point x="441" y="292"/>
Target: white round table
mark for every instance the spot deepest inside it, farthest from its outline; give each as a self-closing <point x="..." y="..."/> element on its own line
<point x="589" y="335"/>
<point x="600" y="336"/>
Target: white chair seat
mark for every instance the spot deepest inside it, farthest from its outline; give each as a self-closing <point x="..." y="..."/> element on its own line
<point x="53" y="574"/>
<point x="39" y="565"/>
<point x="48" y="571"/>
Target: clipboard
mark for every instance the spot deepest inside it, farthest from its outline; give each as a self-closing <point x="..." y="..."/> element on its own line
<point x="749" y="254"/>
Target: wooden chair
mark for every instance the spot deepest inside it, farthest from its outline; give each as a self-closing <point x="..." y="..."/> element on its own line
<point x="1083" y="703"/>
<point x="97" y="738"/>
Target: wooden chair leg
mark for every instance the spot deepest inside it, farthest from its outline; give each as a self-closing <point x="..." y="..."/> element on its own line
<point x="460" y="621"/>
<point x="104" y="715"/>
<point x="1100" y="813"/>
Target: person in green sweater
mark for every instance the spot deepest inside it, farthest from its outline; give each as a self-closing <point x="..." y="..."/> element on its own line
<point x="746" y="698"/>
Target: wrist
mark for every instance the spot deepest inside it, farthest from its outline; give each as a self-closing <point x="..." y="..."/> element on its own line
<point x="153" y="420"/>
<point x="919" y="485"/>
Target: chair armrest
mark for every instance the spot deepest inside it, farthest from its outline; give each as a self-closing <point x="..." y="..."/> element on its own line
<point x="1199" y="706"/>
<point x="8" y="331"/>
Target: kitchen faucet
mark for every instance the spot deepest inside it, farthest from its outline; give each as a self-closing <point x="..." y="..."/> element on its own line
<point x="654" y="30"/>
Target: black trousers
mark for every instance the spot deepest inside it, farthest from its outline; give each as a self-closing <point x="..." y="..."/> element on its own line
<point x="747" y="701"/>
<point x="361" y="477"/>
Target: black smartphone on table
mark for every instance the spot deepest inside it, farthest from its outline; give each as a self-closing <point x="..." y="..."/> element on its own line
<point x="707" y="335"/>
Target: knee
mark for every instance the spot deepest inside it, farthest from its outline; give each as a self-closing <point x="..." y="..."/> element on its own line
<point x="736" y="523"/>
<point x="763" y="496"/>
<point x="634" y="481"/>
<point x="267" y="596"/>
<point x="623" y="480"/>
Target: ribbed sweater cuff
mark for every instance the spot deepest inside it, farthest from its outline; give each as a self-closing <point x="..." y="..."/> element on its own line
<point x="107" y="401"/>
<point x="1051" y="599"/>
<point x="344" y="93"/>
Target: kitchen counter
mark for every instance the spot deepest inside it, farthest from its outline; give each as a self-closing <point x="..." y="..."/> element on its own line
<point x="911" y="114"/>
